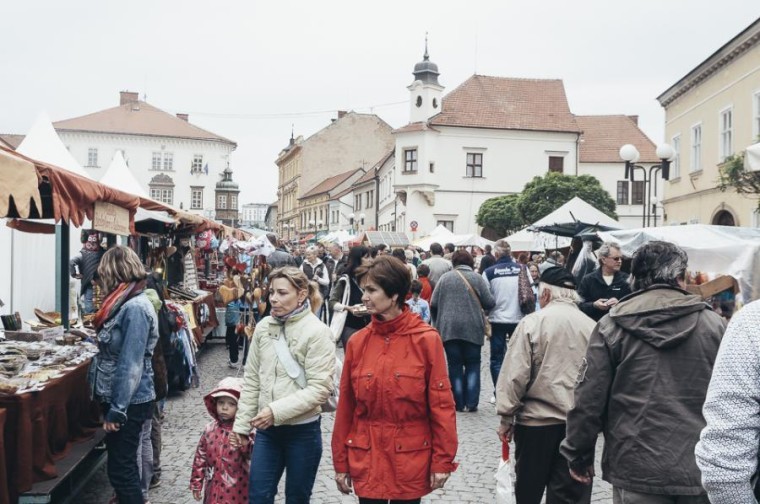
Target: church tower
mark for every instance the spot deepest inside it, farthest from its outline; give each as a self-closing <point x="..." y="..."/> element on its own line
<point x="425" y="92"/>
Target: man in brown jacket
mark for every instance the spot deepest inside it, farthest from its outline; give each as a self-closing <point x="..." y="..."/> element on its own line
<point x="535" y="390"/>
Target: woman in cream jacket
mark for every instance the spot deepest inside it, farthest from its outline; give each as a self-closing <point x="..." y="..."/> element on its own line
<point x="286" y="414"/>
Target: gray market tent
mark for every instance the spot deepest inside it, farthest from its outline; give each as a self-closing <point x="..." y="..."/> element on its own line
<point x="716" y="250"/>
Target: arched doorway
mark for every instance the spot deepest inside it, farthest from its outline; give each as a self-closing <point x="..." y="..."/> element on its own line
<point x="724" y="218"/>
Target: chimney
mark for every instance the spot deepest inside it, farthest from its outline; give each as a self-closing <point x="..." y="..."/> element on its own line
<point x="635" y="119"/>
<point x="341" y="114"/>
<point x="184" y="117"/>
<point x="127" y="97"/>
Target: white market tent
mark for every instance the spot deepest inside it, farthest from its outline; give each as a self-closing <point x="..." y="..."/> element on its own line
<point x="340" y="237"/>
<point x="752" y="157"/>
<point x="536" y="241"/>
<point x="440" y="235"/>
<point x="717" y="250"/>
<point x="471" y="240"/>
<point x="28" y="260"/>
<point x="576" y="211"/>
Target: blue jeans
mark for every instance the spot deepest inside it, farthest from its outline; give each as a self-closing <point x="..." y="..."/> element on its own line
<point x="296" y="449"/>
<point x="121" y="446"/>
<point x="463" y="358"/>
<point x="499" y="335"/>
<point x="88" y="302"/>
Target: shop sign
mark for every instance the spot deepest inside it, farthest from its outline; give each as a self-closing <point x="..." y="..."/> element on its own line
<point x="110" y="218"/>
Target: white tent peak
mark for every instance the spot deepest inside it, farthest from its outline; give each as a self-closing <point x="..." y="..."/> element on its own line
<point x="43" y="144"/>
<point x="577" y="210"/>
<point x="119" y="176"/>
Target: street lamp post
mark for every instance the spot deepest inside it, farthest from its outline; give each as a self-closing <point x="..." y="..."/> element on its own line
<point x="630" y="154"/>
<point x="351" y="218"/>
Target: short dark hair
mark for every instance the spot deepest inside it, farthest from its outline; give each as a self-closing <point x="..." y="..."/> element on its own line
<point x="450" y="247"/>
<point x="416" y="287"/>
<point x="658" y="262"/>
<point x="355" y="257"/>
<point x="399" y="254"/>
<point x="423" y="270"/>
<point x="487" y="249"/>
<point x="462" y="258"/>
<point x="436" y="249"/>
<point x="390" y="274"/>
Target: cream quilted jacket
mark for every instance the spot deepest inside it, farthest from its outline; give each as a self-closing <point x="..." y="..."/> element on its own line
<point x="266" y="383"/>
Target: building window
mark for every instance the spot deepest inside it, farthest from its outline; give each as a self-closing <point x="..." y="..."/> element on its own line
<point x="196" y="198"/>
<point x="221" y="202"/>
<point x="622" y="192"/>
<point x="474" y="164"/>
<point x="675" y="165"/>
<point x="432" y="167"/>
<point x="448" y="224"/>
<point x="92" y="158"/>
<point x="637" y="192"/>
<point x="162" y="194"/>
<point x="233" y="202"/>
<point x="156" y="163"/>
<point x="726" y="134"/>
<point x="556" y="164"/>
<point x="410" y="160"/>
<point x="162" y="188"/>
<point x="696" y="148"/>
<point x="358" y="202"/>
<point x="370" y="199"/>
<point x="168" y="161"/>
<point x="755" y="116"/>
<point x="197" y="166"/>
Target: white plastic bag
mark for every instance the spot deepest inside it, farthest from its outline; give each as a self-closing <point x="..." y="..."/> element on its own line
<point x="505" y="478"/>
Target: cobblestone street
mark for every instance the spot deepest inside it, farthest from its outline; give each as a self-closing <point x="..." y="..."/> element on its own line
<point x="186" y="416"/>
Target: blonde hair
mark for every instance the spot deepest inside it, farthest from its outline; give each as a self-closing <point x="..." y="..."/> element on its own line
<point x="297" y="279"/>
<point x="120" y="265"/>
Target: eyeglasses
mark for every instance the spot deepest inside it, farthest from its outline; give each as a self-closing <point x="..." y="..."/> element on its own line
<point x="616" y="258"/>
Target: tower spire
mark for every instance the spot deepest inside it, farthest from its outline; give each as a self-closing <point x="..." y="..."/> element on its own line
<point x="426" y="57"/>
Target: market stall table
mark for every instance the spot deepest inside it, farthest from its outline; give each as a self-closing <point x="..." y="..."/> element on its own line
<point x="39" y="428"/>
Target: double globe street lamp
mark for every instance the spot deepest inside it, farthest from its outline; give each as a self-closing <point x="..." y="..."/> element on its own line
<point x="630" y="154"/>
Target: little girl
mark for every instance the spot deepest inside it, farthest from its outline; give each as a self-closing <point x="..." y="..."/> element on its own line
<point x="223" y="469"/>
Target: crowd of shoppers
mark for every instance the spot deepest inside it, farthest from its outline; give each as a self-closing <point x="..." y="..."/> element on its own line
<point x="576" y="349"/>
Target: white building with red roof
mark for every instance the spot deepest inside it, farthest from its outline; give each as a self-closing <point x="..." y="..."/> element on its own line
<point x="175" y="161"/>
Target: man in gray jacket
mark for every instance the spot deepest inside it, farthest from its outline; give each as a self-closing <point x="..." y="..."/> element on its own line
<point x="644" y="382"/>
<point x="535" y="390"/>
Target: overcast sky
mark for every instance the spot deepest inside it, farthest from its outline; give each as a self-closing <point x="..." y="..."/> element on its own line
<point x="248" y="70"/>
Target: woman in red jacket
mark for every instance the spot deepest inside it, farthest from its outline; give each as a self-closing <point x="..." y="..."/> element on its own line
<point x="395" y="433"/>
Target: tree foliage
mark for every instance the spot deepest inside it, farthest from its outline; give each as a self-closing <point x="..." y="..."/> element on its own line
<point x="734" y="176"/>
<point x="540" y="197"/>
<point x="501" y="214"/>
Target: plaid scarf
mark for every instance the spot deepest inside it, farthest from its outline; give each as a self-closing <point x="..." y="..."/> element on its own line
<point x="111" y="304"/>
<point x="300" y="309"/>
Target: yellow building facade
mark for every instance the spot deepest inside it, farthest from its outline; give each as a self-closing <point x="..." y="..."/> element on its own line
<point x="711" y="114"/>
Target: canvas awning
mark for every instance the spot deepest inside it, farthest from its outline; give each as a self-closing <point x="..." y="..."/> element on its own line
<point x="574" y="217"/>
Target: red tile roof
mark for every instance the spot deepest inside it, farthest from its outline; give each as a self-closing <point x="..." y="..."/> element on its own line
<point x="138" y="118"/>
<point x="507" y="103"/>
<point x="604" y="135"/>
<point x="330" y="184"/>
<point x="415" y="126"/>
<point x="12" y="141"/>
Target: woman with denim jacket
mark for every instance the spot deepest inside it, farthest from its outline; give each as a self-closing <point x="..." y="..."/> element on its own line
<point x="121" y="375"/>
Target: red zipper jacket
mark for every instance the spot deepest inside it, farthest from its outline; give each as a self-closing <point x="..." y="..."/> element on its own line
<point x="396" y="420"/>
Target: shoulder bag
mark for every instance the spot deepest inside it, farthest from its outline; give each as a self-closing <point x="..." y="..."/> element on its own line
<point x="338" y="321"/>
<point x="525" y="292"/>
<point x="486" y="323"/>
<point x="297" y="374"/>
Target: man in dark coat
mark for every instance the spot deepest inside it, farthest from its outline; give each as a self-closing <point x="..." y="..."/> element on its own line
<point x="606" y="286"/>
<point x="643" y="382"/>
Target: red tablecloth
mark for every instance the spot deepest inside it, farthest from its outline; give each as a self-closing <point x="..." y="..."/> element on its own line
<point x="38" y="429"/>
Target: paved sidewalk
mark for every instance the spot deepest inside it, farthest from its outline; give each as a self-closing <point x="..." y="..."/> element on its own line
<point x="473" y="482"/>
